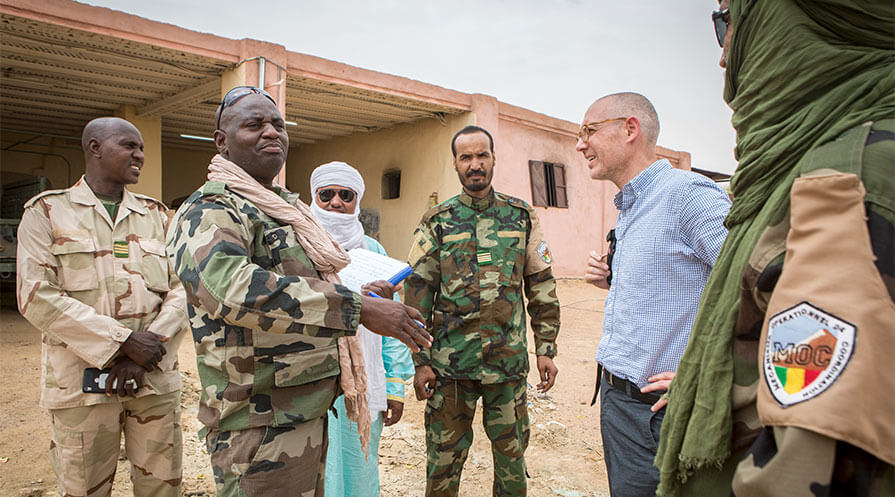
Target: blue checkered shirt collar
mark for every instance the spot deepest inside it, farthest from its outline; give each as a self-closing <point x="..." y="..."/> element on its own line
<point x="625" y="198"/>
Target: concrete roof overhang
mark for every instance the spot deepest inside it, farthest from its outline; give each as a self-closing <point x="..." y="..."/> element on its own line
<point x="63" y="63"/>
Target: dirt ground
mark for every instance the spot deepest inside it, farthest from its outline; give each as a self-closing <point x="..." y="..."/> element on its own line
<point x="565" y="455"/>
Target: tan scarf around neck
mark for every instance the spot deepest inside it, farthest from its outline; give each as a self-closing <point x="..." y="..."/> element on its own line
<point x="328" y="259"/>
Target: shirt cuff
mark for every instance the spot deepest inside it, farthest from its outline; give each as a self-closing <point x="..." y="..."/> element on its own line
<point x="546" y="349"/>
<point x="394" y="389"/>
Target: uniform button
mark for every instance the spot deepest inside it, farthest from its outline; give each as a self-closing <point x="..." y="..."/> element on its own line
<point x="354" y="323"/>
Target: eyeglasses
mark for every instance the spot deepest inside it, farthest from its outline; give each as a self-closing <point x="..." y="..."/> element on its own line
<point x="584" y="132"/>
<point x="235" y="94"/>
<point x="327" y="194"/>
<point x="721" y="20"/>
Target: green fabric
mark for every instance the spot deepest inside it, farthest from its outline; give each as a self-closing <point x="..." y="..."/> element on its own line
<point x="110" y="202"/>
<point x="798" y="75"/>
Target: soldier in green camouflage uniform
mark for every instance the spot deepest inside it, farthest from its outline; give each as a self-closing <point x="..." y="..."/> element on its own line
<point x="472" y="256"/>
<point x="265" y="324"/>
<point x="93" y="277"/>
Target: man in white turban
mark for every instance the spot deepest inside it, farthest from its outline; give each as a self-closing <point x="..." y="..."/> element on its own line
<point x="338" y="189"/>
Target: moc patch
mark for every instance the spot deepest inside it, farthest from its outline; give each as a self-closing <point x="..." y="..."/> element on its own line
<point x="806" y="350"/>
<point x="544" y="252"/>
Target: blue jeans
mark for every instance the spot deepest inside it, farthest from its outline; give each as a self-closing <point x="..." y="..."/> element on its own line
<point x="630" y="439"/>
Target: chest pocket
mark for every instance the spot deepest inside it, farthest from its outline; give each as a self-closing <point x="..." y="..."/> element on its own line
<point x="284" y="253"/>
<point x="511" y="256"/>
<point x="153" y="263"/>
<point x="458" y="261"/>
<point x="77" y="262"/>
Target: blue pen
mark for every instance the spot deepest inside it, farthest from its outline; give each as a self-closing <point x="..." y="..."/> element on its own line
<point x="394" y="280"/>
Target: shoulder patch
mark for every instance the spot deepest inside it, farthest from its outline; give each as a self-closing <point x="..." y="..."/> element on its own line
<point x="544" y="252"/>
<point x="45" y="193"/>
<point x="806" y="350"/>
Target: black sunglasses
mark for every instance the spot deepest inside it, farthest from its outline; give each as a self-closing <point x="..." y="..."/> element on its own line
<point x="721" y="20"/>
<point x="610" y="237"/>
<point x="235" y="94"/>
<point x="328" y="194"/>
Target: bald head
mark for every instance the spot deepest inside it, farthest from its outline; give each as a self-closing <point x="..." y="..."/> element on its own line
<point x="101" y="128"/>
<point x="633" y="104"/>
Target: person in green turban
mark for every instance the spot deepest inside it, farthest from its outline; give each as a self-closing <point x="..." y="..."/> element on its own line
<point x="784" y="387"/>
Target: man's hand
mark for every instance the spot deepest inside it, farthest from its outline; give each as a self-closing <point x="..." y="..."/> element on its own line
<point x="393" y="413"/>
<point x="380" y="287"/>
<point x="129" y="376"/>
<point x="597" y="270"/>
<point x="424" y="382"/>
<point x="144" y="348"/>
<point x="548" y="371"/>
<point x="393" y="319"/>
<point x="657" y="382"/>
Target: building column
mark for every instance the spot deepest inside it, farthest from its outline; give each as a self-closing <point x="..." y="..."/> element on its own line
<point x="150" y="128"/>
<point x="262" y="65"/>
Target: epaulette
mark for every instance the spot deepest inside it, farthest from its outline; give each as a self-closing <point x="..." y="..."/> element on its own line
<point x="213" y="188"/>
<point x="151" y="199"/>
<point x="442" y="207"/>
<point x="45" y="193"/>
<point x="514" y="201"/>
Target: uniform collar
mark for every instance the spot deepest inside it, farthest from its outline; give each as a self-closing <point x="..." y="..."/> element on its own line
<point x="82" y="194"/>
<point x="478" y="204"/>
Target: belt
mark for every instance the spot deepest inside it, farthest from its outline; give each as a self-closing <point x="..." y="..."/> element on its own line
<point x="630" y="389"/>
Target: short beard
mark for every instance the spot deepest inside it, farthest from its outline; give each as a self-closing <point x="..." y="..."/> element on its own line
<point x="475" y="187"/>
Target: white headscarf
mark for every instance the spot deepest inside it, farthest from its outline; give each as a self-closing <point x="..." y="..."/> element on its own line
<point x="348" y="231"/>
<point x="345" y="228"/>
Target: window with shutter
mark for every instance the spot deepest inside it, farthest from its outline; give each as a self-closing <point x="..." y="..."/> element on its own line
<point x="548" y="184"/>
<point x="538" y="183"/>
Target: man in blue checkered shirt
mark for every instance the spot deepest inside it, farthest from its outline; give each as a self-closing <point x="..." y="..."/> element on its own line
<point x="668" y="233"/>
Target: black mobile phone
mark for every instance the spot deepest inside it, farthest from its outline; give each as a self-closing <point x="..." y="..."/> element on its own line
<point x="95" y="381"/>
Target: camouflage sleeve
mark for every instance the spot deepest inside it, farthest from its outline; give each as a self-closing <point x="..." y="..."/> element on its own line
<point x="786" y="461"/>
<point x="92" y="336"/>
<point x="421" y="286"/>
<point x="540" y="289"/>
<point x="172" y="317"/>
<point x="543" y="308"/>
<point x="209" y="246"/>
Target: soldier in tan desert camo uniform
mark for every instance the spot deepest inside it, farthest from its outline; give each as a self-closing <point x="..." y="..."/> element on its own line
<point x="265" y="321"/>
<point x="94" y="278"/>
<point x="472" y="257"/>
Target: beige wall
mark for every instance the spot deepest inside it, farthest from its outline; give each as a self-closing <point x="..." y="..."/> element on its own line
<point x="421" y="150"/>
<point x="185" y="170"/>
<point x="21" y="162"/>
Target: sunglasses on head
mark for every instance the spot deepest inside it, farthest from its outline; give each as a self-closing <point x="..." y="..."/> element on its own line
<point x="327" y="194"/>
<point x="235" y="94"/>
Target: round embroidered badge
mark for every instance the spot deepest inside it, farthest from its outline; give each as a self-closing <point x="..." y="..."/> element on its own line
<point x="806" y="350"/>
<point x="544" y="252"/>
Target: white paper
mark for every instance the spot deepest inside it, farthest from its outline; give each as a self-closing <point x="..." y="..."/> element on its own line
<point x="367" y="266"/>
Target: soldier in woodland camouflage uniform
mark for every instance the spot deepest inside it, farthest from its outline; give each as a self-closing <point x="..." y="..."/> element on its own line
<point x="265" y="323"/>
<point x="472" y="256"/>
<point x="93" y="277"/>
<point x="783" y="389"/>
